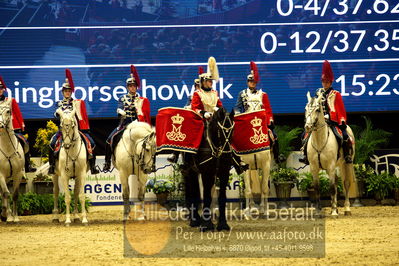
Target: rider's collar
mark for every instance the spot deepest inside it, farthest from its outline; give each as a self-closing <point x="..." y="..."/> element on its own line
<point x="253" y="90"/>
<point x="131" y="95"/>
<point x="67" y="99"/>
<point x="328" y="91"/>
<point x="206" y="89"/>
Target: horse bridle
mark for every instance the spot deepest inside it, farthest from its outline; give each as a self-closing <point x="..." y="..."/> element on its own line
<point x="67" y="131"/>
<point x="319" y="108"/>
<point x="141" y="159"/>
<point x="217" y="151"/>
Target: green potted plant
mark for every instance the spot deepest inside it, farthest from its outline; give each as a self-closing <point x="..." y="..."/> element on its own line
<point x="286" y="136"/>
<point x="379" y="185"/>
<point x="42" y="141"/>
<point x="395" y="188"/>
<point x="305" y="184"/>
<point x="284" y="180"/>
<point x="161" y="188"/>
<point x="368" y="139"/>
<point x="42" y="184"/>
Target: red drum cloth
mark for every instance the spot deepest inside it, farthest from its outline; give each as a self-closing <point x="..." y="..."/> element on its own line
<point x="178" y="129"/>
<point x="250" y="133"/>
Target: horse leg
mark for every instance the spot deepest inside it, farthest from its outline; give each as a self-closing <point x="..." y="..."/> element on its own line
<point x="82" y="197"/>
<point x="316" y="184"/>
<point x="142" y="179"/>
<point x="64" y="180"/>
<point x="264" y="207"/>
<point x="333" y="192"/>
<point x="192" y="196"/>
<point x="224" y="179"/>
<point x="348" y="176"/>
<point x="208" y="180"/>
<point x="56" y="188"/>
<point x="5" y="212"/>
<point x="248" y="193"/>
<point x="15" y="199"/>
<point x="76" y="195"/>
<point x="125" y="194"/>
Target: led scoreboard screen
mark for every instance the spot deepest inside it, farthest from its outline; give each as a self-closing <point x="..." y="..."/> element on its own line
<point x="288" y="39"/>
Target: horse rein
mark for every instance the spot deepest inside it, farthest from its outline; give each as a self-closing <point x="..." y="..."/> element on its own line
<point x="227" y="132"/>
<point x="12" y="143"/>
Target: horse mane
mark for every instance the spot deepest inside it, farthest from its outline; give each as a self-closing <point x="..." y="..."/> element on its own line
<point x="141" y="129"/>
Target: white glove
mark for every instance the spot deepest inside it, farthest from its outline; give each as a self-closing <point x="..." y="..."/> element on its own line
<point x="215" y="108"/>
<point x="207" y="115"/>
<point x="121" y="112"/>
<point x="327" y="116"/>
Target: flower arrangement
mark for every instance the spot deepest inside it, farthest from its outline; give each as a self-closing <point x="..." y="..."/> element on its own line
<point x="160" y="185"/>
<point x="42" y="142"/>
<point x="284" y="175"/>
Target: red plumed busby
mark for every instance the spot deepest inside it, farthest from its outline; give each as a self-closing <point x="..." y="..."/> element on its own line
<point x="2" y="84"/>
<point x="200" y="70"/>
<point x="254" y="75"/>
<point x="68" y="81"/>
<point x="134" y="77"/>
<point x="327" y="73"/>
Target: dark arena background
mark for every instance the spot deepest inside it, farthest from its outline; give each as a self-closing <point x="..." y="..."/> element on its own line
<point x="167" y="40"/>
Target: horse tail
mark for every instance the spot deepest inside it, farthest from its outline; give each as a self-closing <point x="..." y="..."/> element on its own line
<point x="348" y="172"/>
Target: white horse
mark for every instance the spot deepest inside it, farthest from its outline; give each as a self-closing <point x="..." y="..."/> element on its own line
<point x="135" y="155"/>
<point x="11" y="161"/>
<point x="323" y="153"/>
<point x="259" y="166"/>
<point x="72" y="163"/>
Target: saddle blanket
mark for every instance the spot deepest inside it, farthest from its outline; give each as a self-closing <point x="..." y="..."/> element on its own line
<point x="250" y="133"/>
<point x="86" y="141"/>
<point x="178" y="129"/>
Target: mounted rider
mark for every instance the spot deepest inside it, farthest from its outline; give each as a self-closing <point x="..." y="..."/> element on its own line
<point x="18" y="125"/>
<point x="253" y="99"/>
<point x="334" y="112"/>
<point x="205" y="101"/>
<point x="131" y="107"/>
<point x="68" y="103"/>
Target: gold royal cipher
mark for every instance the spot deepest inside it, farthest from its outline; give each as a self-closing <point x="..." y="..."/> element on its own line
<point x="259" y="137"/>
<point x="175" y="134"/>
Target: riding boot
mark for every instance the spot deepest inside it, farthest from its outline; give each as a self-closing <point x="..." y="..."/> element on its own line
<point x="92" y="163"/>
<point x="238" y="164"/>
<point x="28" y="167"/>
<point x="51" y="161"/>
<point x="346" y="146"/>
<point x="108" y="155"/>
<point x="173" y="157"/>
<point x="304" y="159"/>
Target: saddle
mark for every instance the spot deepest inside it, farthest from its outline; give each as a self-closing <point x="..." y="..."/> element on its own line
<point x="24" y="142"/>
<point x="116" y="137"/>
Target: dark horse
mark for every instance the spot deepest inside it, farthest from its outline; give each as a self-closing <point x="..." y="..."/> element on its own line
<point x="214" y="159"/>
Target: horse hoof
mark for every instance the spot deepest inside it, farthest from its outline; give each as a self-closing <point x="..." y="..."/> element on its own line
<point x="3" y="218"/>
<point x="348" y="213"/>
<point x="223" y="226"/>
<point x="67" y="224"/>
<point x="56" y="221"/>
<point x="207" y="226"/>
<point x="335" y="216"/>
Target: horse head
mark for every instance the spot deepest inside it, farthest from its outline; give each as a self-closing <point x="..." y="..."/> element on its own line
<point x="314" y="113"/>
<point x="146" y="149"/>
<point x="68" y="126"/>
<point x="5" y="115"/>
<point x="221" y="129"/>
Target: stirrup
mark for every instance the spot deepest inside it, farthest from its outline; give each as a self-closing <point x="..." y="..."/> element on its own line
<point x="172" y="158"/>
<point x="348" y="159"/>
<point x="304" y="160"/>
<point x="106" y="167"/>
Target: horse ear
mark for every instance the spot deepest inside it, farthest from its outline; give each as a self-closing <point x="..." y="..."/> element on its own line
<point x="308" y="96"/>
<point x="232" y="114"/>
